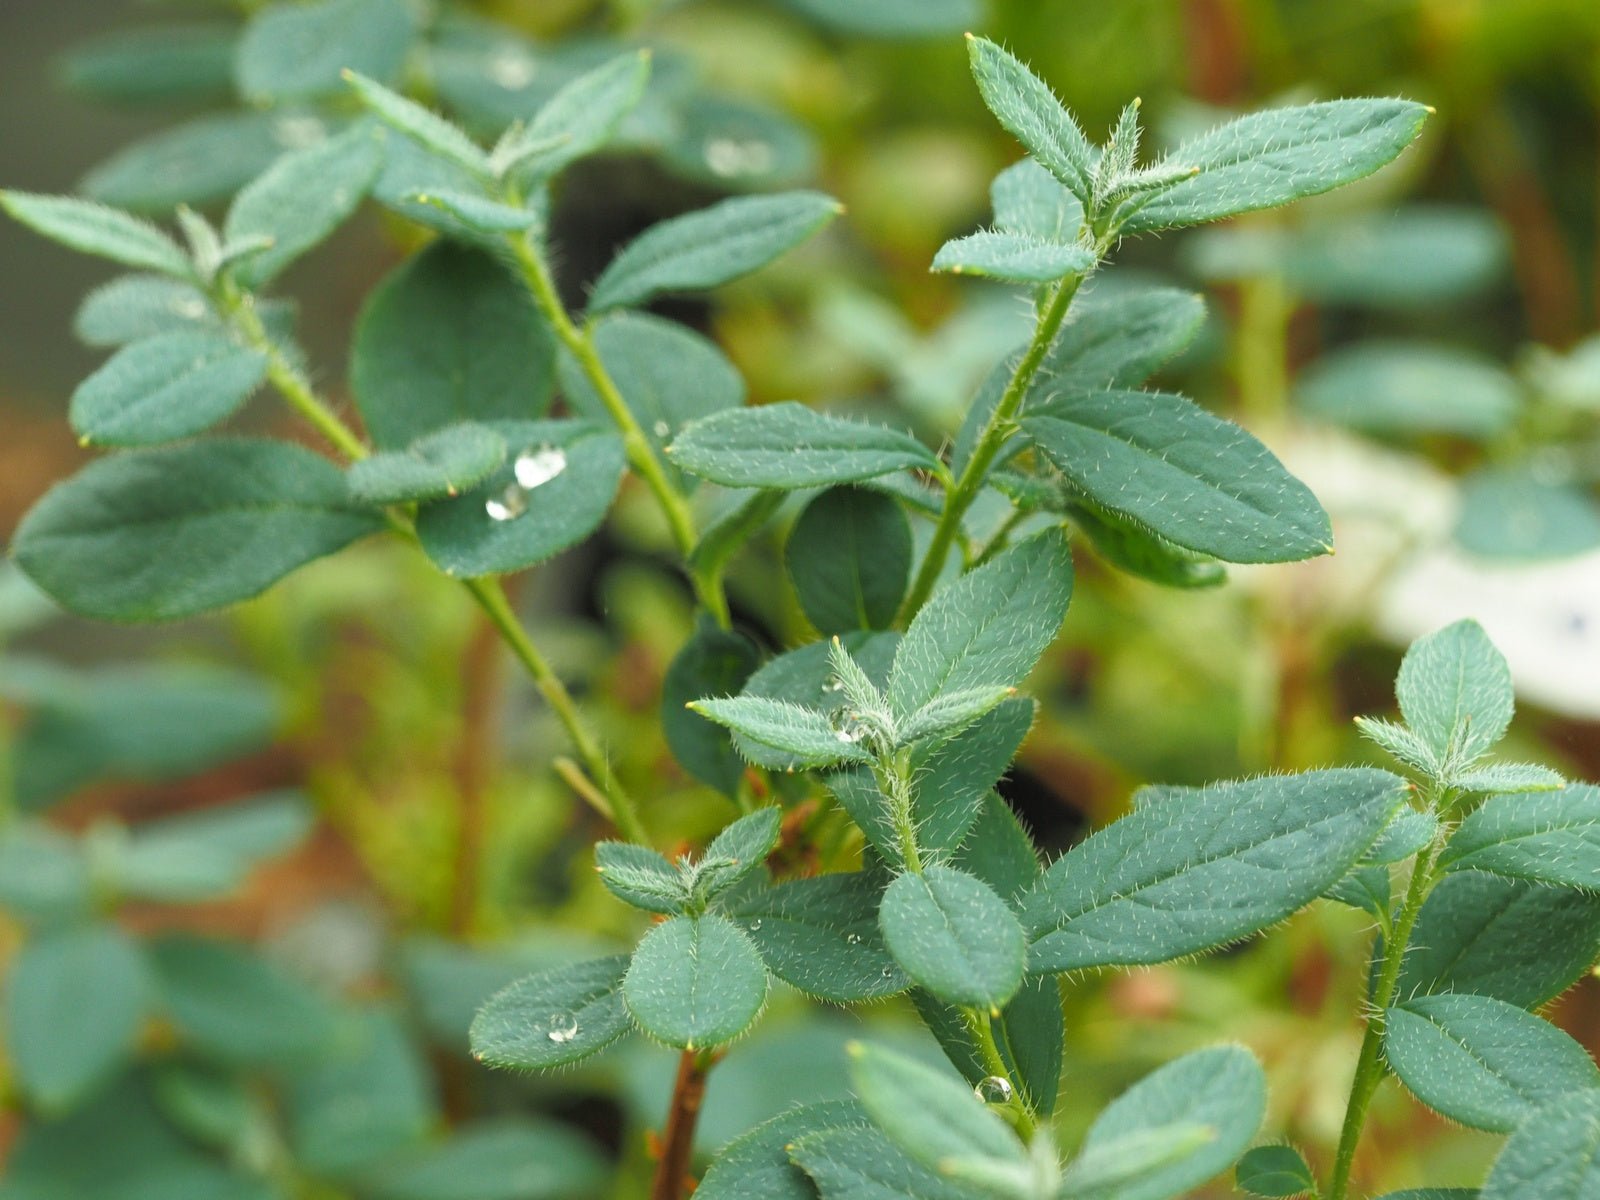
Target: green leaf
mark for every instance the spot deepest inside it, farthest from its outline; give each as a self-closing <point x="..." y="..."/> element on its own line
<point x="298" y="51"/>
<point x="1550" y="837"/>
<point x="166" y="388"/>
<point x="713" y="662"/>
<point x="1221" y="1088"/>
<point x="932" y="1116"/>
<point x="668" y="375"/>
<point x="1507" y="778"/>
<point x="1131" y="549"/>
<point x="1513" y="513"/>
<point x="363" y="1100"/>
<point x="1483" y="1062"/>
<point x="891" y="18"/>
<point x="1398" y="741"/>
<point x="235" y="1007"/>
<point x="954" y="936"/>
<point x="133" y="307"/>
<point x="710" y="247"/>
<point x="989" y="627"/>
<point x="821" y="935"/>
<point x="555" y="491"/>
<point x="1433" y="1194"/>
<point x="204" y="854"/>
<point x="948" y="713"/>
<point x="740" y="849"/>
<point x="95" y="229"/>
<point x="1283" y="154"/>
<point x="849" y="556"/>
<point x="144" y="724"/>
<point x="554" y="1017"/>
<point x="157" y="534"/>
<point x="75" y="999"/>
<point x="448" y="337"/>
<point x="806" y="677"/>
<point x="756" y="1166"/>
<point x="640" y="876"/>
<point x="504" y="1159"/>
<point x="1370" y="889"/>
<point x="1030" y="112"/>
<point x="580" y="118"/>
<point x="1555" y="1156"/>
<point x="1410" y="833"/>
<point x="1275" y="1171"/>
<point x="200" y="161"/>
<point x="1455" y="693"/>
<point x="436" y="465"/>
<point x="788" y="445"/>
<point x="488" y="218"/>
<point x="1013" y="257"/>
<point x="1166" y="465"/>
<point x="695" y="982"/>
<point x="857" y="1162"/>
<point x="1511" y="939"/>
<point x="302" y="199"/>
<point x="1232" y="859"/>
<point x="806" y="734"/>
<point x="1027" y="199"/>
<point x="159" y="64"/>
<point x="43" y="873"/>
<point x="424" y="126"/>
<point x="1404" y="388"/>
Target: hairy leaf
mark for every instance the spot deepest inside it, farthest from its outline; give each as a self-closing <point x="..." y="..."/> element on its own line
<point x="1551" y="837"/>
<point x="554" y="1017"/>
<point x="436" y="465"/>
<point x="954" y="936"/>
<point x="1030" y="112"/>
<point x="788" y="445"/>
<point x="95" y="229"/>
<point x="293" y="51"/>
<point x="1554" y="1156"/>
<point x="1013" y="257"/>
<point x="695" y="982"/>
<point x="166" y="388"/>
<point x="1455" y="692"/>
<point x="849" y="556"/>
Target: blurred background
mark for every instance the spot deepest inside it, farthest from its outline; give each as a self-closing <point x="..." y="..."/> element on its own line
<point x="1420" y="348"/>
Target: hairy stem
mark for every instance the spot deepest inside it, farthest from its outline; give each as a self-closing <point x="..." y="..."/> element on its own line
<point x="995" y="434"/>
<point x="1369" y="1067"/>
<point x="1019" y="1107"/>
<point x="894" y="781"/>
<point x="297" y="390"/>
<point x="688" y="1093"/>
<point x="579" y="342"/>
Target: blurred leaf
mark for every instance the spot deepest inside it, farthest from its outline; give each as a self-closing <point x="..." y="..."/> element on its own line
<point x="1275" y="1171"/>
<point x="96" y="229"/>
<point x="1514" y="513"/>
<point x="234" y="1006"/>
<point x="756" y="1166"/>
<point x="713" y="662"/>
<point x="75" y="999"/>
<point x="209" y="853"/>
<point x="849" y="556"/>
<point x="731" y="143"/>
<point x="1028" y="199"/>
<point x="791" y="446"/>
<point x="43" y="873"/>
<point x="1404" y="388"/>
<point x="298" y="51"/>
<point x="1552" y="1156"/>
<point x="162" y="64"/>
<point x="891" y="18"/>
<point x="858" y="1161"/>
<point x="502" y="1160"/>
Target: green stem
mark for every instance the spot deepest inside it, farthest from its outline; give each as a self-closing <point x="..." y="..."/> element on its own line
<point x="297" y="390"/>
<point x="894" y="780"/>
<point x="994" y="1063"/>
<point x="1369" y="1066"/>
<point x="999" y="429"/>
<point x="492" y="597"/>
<point x="579" y="342"/>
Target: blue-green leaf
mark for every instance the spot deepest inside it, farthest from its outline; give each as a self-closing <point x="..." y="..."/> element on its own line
<point x="954" y="936"/>
<point x="788" y="445"/>
<point x="554" y="1017"/>
<point x="166" y="388"/>
<point x="695" y="982"/>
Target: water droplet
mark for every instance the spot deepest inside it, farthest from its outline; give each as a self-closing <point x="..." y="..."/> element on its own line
<point x="534" y="468"/>
<point x="509" y="504"/>
<point x="887" y="972"/>
<point x="191" y="310"/>
<point x="511" y="67"/>
<point x="993" y="1089"/>
<point x="853" y="939"/>
<point x="755" y="926"/>
<point x="563" y="1027"/>
<point x="834" y="684"/>
<point x="662" y="429"/>
<point x="296" y="133"/>
<point x="728" y="157"/>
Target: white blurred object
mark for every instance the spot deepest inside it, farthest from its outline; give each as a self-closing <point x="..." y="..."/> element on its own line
<point x="1544" y="617"/>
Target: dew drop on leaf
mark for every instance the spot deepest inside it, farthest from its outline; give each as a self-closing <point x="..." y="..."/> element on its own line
<point x="508" y="504"/>
<point x="662" y="429"/>
<point x="755" y="926"/>
<point x="853" y="939"/>
<point x="728" y="157"/>
<point x="563" y="1027"/>
<point x="993" y="1089"/>
<point x="534" y="468"/>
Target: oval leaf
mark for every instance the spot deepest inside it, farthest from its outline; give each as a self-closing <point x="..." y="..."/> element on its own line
<point x="553" y="1018"/>
<point x="788" y="445"/>
<point x="954" y="936"/>
<point x="165" y="388"/>
<point x="695" y="982"/>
